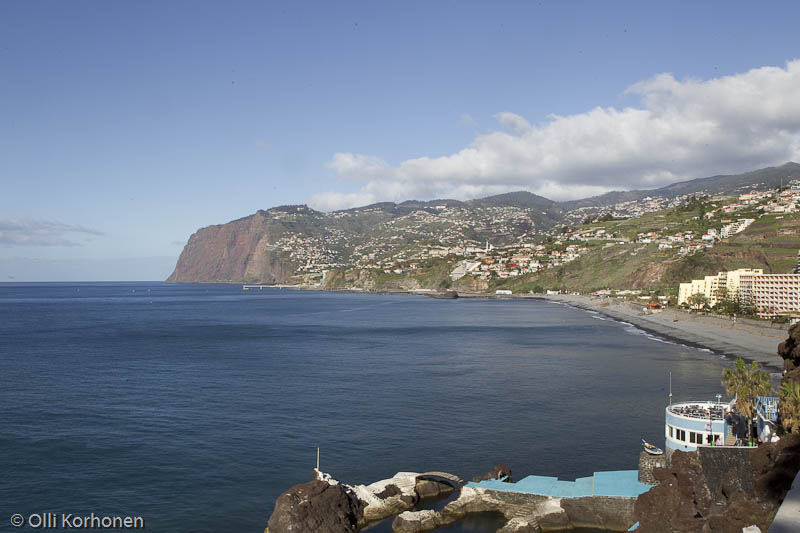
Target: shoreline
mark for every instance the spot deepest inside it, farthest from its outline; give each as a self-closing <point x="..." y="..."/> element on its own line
<point x="748" y="341"/>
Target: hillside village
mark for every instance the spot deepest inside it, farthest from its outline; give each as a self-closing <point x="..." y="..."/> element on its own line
<point x="640" y="244"/>
<point x="405" y="243"/>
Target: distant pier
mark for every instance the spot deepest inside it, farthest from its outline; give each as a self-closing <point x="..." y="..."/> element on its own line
<point x="247" y="287"/>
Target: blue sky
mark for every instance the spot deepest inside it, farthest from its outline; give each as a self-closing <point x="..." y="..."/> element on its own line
<point x="125" y="126"/>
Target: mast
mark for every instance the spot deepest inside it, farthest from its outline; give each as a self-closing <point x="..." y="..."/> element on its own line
<point x="670" y="389"/>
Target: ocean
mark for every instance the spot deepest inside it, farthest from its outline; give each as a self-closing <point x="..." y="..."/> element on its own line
<point x="195" y="406"/>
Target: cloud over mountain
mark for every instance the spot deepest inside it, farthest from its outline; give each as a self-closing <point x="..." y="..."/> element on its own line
<point x="681" y="129"/>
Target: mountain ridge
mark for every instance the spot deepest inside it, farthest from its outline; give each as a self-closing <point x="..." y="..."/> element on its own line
<point x="276" y="245"/>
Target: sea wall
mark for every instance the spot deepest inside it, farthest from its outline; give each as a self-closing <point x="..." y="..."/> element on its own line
<point x="647" y="463"/>
<point x="600" y="512"/>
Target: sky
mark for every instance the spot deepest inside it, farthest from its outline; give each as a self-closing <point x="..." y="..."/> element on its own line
<point x="126" y="126"/>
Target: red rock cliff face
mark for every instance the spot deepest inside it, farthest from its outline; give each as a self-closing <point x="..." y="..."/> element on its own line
<point x="232" y="252"/>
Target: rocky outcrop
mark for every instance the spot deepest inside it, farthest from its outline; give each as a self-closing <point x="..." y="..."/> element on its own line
<point x="413" y="522"/>
<point x="719" y="491"/>
<point x="428" y="489"/>
<point x="388" y="497"/>
<point x="317" y="506"/>
<point x="789" y="350"/>
<point x="521" y="525"/>
<point x="238" y="251"/>
<point x="470" y="500"/>
<point x="327" y="505"/>
<point x="499" y="471"/>
<point x="525" y="512"/>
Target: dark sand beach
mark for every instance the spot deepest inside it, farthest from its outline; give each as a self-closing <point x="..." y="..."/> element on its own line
<point x="749" y="339"/>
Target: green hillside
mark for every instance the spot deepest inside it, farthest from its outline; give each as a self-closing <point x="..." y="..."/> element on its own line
<point x="770" y="243"/>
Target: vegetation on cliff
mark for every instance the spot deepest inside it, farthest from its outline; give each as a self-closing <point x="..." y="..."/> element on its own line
<point x="746" y="383"/>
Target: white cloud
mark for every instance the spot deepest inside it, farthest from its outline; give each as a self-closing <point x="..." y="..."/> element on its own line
<point x="39" y="233"/>
<point x="466" y="120"/>
<point x="333" y="201"/>
<point x="681" y="129"/>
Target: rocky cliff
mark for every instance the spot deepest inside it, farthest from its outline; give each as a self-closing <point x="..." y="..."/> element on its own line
<point x="724" y="489"/>
<point x="238" y="251"/>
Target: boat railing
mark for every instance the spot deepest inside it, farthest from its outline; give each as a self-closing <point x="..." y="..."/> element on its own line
<point x="699" y="411"/>
<point x="767" y="407"/>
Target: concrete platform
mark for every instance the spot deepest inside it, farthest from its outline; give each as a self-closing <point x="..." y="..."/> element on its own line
<point x="618" y="484"/>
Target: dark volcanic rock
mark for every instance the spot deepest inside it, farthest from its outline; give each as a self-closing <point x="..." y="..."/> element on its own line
<point x="316" y="506"/>
<point x="388" y="492"/>
<point x="499" y="471"/>
<point x="427" y="489"/>
<point x="789" y="350"/>
<point x="697" y="493"/>
<point x="725" y="489"/>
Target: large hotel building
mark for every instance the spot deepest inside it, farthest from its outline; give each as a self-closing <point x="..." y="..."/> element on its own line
<point x="771" y="294"/>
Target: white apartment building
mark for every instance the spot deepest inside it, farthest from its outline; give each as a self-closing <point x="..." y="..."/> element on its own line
<point x="710" y="286"/>
<point x="735" y="227"/>
<point x="771" y="294"/>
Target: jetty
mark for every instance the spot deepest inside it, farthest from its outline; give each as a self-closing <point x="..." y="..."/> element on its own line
<point x="250" y="286"/>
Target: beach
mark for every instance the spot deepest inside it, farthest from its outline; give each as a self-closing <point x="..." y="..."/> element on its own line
<point x="747" y="339"/>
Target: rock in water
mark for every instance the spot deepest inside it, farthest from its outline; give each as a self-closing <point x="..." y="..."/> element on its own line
<point x="500" y="471"/>
<point x="316" y="506"/>
<point x="428" y="489"/>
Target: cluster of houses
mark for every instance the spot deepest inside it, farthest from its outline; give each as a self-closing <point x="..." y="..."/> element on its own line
<point x="515" y="260"/>
<point x="630" y="209"/>
<point x="688" y="242"/>
<point x="406" y="243"/>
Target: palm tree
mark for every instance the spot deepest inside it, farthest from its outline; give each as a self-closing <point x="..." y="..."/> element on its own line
<point x="697" y="300"/>
<point x="790" y="405"/>
<point x="746" y="383"/>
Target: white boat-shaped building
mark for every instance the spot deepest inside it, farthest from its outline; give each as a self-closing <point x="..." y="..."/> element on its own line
<point x="690" y="425"/>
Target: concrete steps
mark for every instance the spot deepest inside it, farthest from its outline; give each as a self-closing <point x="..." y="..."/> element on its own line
<point x="523" y="511"/>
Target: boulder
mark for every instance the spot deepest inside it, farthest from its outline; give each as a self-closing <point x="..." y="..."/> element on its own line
<point x="413" y="522"/>
<point x="317" y="506"/>
<point x="499" y="471"/>
<point x="428" y="489"/>
<point x="521" y="525"/>
<point x="388" y="497"/>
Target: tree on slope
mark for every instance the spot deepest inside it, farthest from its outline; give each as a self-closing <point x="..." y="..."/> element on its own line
<point x="790" y="405"/>
<point x="747" y="383"/>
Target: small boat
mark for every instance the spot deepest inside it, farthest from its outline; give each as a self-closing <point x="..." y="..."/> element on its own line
<point x="651" y="449"/>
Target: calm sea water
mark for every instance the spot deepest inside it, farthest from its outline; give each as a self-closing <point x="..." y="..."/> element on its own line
<point x="195" y="406"/>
